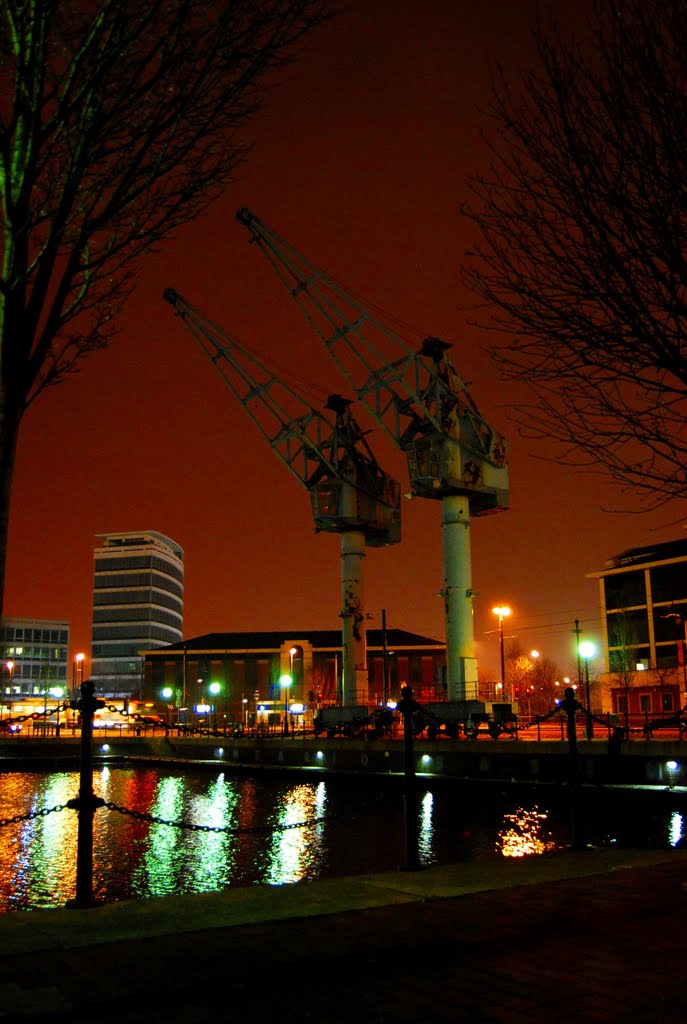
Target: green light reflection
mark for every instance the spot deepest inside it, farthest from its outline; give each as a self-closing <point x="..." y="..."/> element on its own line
<point x="162" y="864"/>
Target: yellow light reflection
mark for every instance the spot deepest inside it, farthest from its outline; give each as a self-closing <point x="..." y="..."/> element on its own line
<point x="524" y="834"/>
<point x="34" y="853"/>
<point x="293" y="851"/>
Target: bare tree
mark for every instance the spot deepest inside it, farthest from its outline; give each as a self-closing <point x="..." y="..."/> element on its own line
<point x="581" y="258"/>
<point x="623" y="642"/>
<point x="532" y="678"/>
<point x="120" y="120"/>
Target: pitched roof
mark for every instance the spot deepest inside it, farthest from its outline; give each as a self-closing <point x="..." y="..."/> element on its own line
<point x="325" y="639"/>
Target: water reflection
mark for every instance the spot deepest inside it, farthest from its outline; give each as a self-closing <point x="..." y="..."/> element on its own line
<point x="247" y="831"/>
<point x="426" y="832"/>
<point x="294" y="852"/>
<point x="524" y="833"/>
<point x="675" y="828"/>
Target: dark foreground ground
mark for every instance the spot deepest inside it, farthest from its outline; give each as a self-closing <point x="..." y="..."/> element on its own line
<point x="575" y="936"/>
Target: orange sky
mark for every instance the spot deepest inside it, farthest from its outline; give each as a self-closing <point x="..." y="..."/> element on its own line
<point x="360" y="161"/>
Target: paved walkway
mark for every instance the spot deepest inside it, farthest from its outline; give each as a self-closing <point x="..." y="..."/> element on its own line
<point x="589" y="936"/>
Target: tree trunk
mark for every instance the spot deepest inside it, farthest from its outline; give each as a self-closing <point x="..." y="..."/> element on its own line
<point x="10" y="417"/>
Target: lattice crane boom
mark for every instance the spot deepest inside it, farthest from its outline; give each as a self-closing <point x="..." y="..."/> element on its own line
<point x="330" y="456"/>
<point x="416" y="397"/>
<point x="349" y="492"/>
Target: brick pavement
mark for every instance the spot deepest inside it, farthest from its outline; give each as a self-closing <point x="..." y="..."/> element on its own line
<point x="603" y="947"/>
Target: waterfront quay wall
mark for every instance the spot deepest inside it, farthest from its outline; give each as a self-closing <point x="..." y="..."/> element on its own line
<point x="652" y="762"/>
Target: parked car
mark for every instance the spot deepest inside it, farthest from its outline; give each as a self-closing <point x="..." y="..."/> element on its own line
<point x="7" y="726"/>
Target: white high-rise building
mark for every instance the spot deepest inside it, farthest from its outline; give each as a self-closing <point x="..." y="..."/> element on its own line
<point x="138" y="605"/>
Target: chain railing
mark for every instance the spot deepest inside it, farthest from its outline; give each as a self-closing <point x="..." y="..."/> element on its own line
<point x="46" y="713"/>
<point x="17" y="819"/>
<point x="86" y="804"/>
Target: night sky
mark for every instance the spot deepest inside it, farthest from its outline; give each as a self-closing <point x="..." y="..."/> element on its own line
<point x="360" y="160"/>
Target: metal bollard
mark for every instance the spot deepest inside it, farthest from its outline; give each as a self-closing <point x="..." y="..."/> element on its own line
<point x="86" y="802"/>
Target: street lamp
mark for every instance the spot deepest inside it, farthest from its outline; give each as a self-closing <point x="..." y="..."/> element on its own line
<point x="58" y="692"/>
<point x="215" y="689"/>
<point x="285" y="682"/>
<point x="293" y="651"/>
<point x="77" y="673"/>
<point x="503" y="611"/>
<point x="10" y="668"/>
<point x="167" y="693"/>
<point x="587" y="650"/>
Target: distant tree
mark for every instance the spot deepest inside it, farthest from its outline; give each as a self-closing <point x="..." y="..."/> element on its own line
<point x="581" y="257"/>
<point x="120" y="120"/>
<point x="532" y="679"/>
<point x="623" y="642"/>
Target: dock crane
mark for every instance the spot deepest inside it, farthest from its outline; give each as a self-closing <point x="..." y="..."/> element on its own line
<point x="329" y="454"/>
<point x="418" y="399"/>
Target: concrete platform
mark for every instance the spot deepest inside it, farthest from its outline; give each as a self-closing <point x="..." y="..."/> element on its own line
<point x="590" y="935"/>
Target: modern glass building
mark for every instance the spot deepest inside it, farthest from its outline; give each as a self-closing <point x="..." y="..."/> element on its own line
<point x="643" y="597"/>
<point x="34" y="657"/>
<point x="138" y="605"/>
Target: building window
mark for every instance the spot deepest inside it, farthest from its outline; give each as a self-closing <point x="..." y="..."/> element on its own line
<point x="628" y="628"/>
<point x="625" y="590"/>
<point x="669" y="582"/>
<point x="645" y="702"/>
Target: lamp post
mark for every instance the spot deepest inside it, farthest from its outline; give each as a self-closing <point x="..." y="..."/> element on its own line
<point x="167" y="693"/>
<point x="57" y="692"/>
<point x="503" y="611"/>
<point x="285" y="682"/>
<point x="215" y="689"/>
<point x="587" y="650"/>
<point x="77" y="674"/>
<point x="535" y="675"/>
<point x="10" y="668"/>
<point x="293" y="651"/>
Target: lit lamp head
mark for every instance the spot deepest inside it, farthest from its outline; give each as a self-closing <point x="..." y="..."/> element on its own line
<point x="167" y="692"/>
<point x="503" y="611"/>
<point x="285" y="681"/>
<point x="587" y="650"/>
<point x="215" y="688"/>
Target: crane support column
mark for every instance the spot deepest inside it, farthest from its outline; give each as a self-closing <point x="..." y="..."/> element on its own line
<point x="461" y="664"/>
<point x="353" y="632"/>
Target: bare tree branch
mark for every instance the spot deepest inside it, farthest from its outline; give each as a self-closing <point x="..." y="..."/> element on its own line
<point x="581" y="258"/>
<point x="120" y="120"/>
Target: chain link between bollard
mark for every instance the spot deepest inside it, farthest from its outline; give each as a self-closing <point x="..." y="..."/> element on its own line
<point x="31" y="815"/>
<point x="189" y="826"/>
